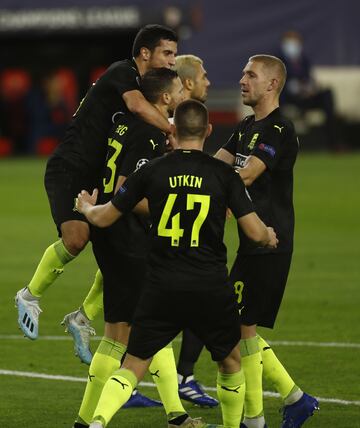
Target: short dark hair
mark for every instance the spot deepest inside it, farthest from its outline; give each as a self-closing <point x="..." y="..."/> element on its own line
<point x="157" y="81"/>
<point x="191" y="119"/>
<point x="150" y="37"/>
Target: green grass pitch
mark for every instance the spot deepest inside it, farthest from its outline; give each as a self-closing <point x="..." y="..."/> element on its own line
<point x="321" y="304"/>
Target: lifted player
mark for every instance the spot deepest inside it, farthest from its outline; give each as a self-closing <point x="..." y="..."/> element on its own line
<point x="78" y="160"/>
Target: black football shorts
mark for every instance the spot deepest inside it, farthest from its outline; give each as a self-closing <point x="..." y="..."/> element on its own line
<point x="164" y="311"/>
<point x="122" y="276"/>
<point x="259" y="282"/>
<point x="63" y="182"/>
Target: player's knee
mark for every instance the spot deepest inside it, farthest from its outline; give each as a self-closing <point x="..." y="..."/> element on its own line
<point x="75" y="243"/>
<point x="231" y="364"/>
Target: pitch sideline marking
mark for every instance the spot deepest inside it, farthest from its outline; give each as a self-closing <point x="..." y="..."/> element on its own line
<point x="271" y="342"/>
<point x="152" y="385"/>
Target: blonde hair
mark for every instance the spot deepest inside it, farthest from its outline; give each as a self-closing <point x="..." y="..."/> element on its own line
<point x="185" y="66"/>
<point x="274" y="65"/>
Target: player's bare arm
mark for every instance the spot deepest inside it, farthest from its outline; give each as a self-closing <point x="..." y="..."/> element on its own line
<point x="253" y="168"/>
<point x="98" y="215"/>
<point x="256" y="230"/>
<point x="225" y="156"/>
<point x="137" y="104"/>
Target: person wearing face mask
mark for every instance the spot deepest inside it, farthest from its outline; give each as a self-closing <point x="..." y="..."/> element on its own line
<point x="301" y="90"/>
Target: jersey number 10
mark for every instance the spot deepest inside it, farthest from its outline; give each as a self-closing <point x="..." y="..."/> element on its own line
<point x="175" y="232"/>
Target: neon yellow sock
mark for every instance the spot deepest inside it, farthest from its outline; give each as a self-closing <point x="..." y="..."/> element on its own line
<point x="274" y="371"/>
<point x="51" y="265"/>
<point x="231" y="393"/>
<point x="116" y="393"/>
<point x="164" y="374"/>
<point x="104" y="363"/>
<point x="251" y="363"/>
<point x="93" y="303"/>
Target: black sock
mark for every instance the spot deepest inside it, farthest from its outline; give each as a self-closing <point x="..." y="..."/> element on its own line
<point x="179" y="420"/>
<point x="191" y="348"/>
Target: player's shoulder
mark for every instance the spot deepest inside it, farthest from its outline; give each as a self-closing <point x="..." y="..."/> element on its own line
<point x="246" y="121"/>
<point x="217" y="164"/>
<point x="277" y="122"/>
<point x="124" y="67"/>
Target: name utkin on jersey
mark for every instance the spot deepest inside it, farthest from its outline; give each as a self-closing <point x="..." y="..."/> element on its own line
<point x="188" y="193"/>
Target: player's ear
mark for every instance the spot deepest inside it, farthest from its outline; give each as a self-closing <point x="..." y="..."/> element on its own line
<point x="188" y="84"/>
<point x="274" y="83"/>
<point x="145" y="53"/>
<point x="209" y="130"/>
<point x="166" y="98"/>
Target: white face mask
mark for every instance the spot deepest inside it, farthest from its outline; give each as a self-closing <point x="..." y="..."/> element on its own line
<point x="292" y="48"/>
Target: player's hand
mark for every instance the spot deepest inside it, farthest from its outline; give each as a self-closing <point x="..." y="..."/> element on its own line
<point x="84" y="199"/>
<point x="273" y="241"/>
<point x="171" y="143"/>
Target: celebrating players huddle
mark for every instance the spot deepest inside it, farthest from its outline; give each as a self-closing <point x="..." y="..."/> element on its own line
<point x="154" y="206"/>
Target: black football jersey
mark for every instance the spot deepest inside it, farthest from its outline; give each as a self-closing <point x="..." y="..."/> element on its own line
<point x="274" y="141"/>
<point x="131" y="144"/>
<point x="85" y="141"/>
<point x="188" y="193"/>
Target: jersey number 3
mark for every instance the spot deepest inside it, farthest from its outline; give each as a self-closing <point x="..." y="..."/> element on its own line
<point x="175" y="232"/>
<point x="111" y="164"/>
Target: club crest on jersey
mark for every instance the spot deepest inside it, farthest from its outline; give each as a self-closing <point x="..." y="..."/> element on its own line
<point x="141" y="163"/>
<point x="268" y="149"/>
<point x="253" y="141"/>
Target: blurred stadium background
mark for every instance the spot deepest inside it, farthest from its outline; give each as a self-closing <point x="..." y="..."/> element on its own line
<point x="51" y="52"/>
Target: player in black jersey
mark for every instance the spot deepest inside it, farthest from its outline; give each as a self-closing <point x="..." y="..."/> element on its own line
<point x="190" y="69"/>
<point x="188" y="193"/>
<point x="120" y="250"/>
<point x="264" y="148"/>
<point x="78" y="161"/>
<point x="195" y="85"/>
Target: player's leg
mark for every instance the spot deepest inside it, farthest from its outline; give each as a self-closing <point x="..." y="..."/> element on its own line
<point x="267" y="275"/>
<point x="151" y="321"/>
<point x="218" y="326"/>
<point x="252" y="364"/>
<point x="230" y="386"/>
<point x="61" y="184"/>
<point x="189" y="388"/>
<point x="242" y="278"/>
<point x="298" y="406"/>
<point x="156" y="322"/>
<point x="106" y="360"/>
<point x="118" y="389"/>
<point x="163" y="372"/>
<point x="78" y="323"/>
